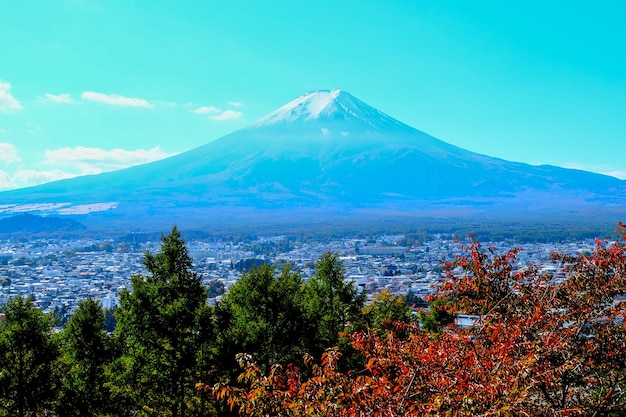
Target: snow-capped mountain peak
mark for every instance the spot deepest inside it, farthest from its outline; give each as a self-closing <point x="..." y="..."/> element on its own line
<point x="328" y="105"/>
<point x="308" y="106"/>
<point x="324" y="155"/>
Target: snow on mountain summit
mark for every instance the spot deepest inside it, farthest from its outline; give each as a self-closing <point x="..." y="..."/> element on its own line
<point x="308" y="106"/>
<point x="327" y="105"/>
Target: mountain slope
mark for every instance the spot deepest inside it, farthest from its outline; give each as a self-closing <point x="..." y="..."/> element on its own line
<point x="328" y="149"/>
<point x="27" y="223"/>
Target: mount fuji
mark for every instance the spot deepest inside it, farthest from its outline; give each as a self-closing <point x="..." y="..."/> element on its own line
<point x="327" y="154"/>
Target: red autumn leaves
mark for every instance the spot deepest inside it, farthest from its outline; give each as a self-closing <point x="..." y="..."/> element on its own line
<point x="539" y="346"/>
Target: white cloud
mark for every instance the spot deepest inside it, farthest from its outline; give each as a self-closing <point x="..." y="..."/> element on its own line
<point x="96" y="160"/>
<point x="573" y="165"/>
<point x="206" y="110"/>
<point x="605" y="170"/>
<point x="115" y="100"/>
<point x="8" y="103"/>
<point x="227" y="115"/>
<point x="71" y="162"/>
<point x="59" y="98"/>
<point x="236" y="103"/>
<point x="8" y="153"/>
<point x="163" y="103"/>
<point x="325" y="131"/>
<point x="617" y="174"/>
<point x="6" y="182"/>
<point x="28" y="178"/>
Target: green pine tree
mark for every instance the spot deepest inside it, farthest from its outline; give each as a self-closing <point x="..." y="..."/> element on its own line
<point x="262" y="314"/>
<point x="164" y="326"/>
<point x="28" y="355"/>
<point x="333" y="305"/>
<point x="86" y="349"/>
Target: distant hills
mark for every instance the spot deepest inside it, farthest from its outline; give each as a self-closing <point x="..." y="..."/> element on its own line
<point x="28" y="223"/>
<point x="325" y="155"/>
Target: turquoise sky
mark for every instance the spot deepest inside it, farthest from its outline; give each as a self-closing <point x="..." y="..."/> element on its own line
<point x="93" y="85"/>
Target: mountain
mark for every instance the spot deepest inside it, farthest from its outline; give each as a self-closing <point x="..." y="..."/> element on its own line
<point x="27" y="223"/>
<point x="325" y="153"/>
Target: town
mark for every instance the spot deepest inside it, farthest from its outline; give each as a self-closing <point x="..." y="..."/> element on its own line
<point x="57" y="274"/>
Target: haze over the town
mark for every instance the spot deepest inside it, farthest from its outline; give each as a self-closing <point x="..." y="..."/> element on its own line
<point x="90" y="86"/>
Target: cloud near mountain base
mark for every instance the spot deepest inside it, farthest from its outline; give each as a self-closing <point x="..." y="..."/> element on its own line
<point x="71" y="162"/>
<point x="28" y="177"/>
<point x="96" y="160"/>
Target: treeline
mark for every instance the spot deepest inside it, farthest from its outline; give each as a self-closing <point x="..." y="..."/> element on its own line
<point x="523" y="344"/>
<point x="168" y="341"/>
<point x="496" y="340"/>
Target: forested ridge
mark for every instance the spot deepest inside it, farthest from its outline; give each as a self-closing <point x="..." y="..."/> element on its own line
<point x="276" y="345"/>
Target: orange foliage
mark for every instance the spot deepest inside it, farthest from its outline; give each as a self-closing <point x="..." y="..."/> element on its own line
<point x="539" y="347"/>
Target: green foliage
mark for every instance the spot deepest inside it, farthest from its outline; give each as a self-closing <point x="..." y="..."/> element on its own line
<point x="535" y="346"/>
<point x="270" y="248"/>
<point x="169" y="348"/>
<point x="165" y="327"/>
<point x="414" y="300"/>
<point x="27" y="357"/>
<point x="387" y="309"/>
<point x="245" y="265"/>
<point x="276" y="318"/>
<point x="263" y="315"/>
<point x="216" y="288"/>
<point x="437" y="316"/>
<point x="109" y="319"/>
<point x="86" y="349"/>
<point x="333" y="305"/>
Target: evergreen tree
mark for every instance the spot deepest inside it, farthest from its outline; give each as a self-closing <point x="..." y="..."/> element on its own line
<point x="437" y="316"/>
<point x="86" y="350"/>
<point x="262" y="314"/>
<point x="27" y="357"/>
<point x="333" y="305"/>
<point x="165" y="327"/>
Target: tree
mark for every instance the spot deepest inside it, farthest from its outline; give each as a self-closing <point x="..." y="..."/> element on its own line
<point x="386" y="309"/>
<point x="333" y="304"/>
<point x="86" y="349"/>
<point x="262" y="314"/>
<point x="538" y="346"/>
<point x="165" y="327"/>
<point x="437" y="317"/>
<point x="109" y="319"/>
<point x="414" y="300"/>
<point x="27" y="357"/>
